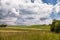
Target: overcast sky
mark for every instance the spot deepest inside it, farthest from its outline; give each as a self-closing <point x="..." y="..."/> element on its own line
<point x="29" y="12"/>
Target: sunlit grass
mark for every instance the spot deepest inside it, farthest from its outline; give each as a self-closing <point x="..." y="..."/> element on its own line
<point x="28" y="34"/>
<point x="32" y="26"/>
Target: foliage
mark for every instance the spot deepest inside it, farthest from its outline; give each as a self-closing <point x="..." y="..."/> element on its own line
<point x="55" y="27"/>
<point x="2" y="25"/>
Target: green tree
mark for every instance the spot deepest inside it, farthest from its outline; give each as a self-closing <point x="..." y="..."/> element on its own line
<point x="55" y="27"/>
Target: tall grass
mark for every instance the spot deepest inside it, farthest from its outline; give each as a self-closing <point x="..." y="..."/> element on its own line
<point x="29" y="35"/>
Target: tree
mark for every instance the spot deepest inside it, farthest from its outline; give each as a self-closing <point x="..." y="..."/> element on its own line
<point x="55" y="27"/>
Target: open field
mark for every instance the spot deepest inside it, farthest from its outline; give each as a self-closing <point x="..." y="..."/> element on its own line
<point x="26" y="33"/>
<point x="32" y="26"/>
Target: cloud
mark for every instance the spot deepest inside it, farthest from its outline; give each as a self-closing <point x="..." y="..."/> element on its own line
<point x="24" y="12"/>
<point x="32" y="12"/>
<point x="57" y="8"/>
<point x="9" y="12"/>
<point x="56" y="11"/>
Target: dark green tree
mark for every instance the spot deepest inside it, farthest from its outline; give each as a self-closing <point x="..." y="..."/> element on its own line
<point x="55" y="27"/>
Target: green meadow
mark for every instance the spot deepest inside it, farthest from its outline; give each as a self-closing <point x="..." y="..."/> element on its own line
<point x="27" y="33"/>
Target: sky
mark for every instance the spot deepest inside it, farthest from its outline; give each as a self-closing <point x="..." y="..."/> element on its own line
<point x="53" y="2"/>
<point x="29" y="12"/>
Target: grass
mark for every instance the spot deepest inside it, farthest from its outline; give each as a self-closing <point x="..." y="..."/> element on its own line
<point x="32" y="26"/>
<point x="27" y="34"/>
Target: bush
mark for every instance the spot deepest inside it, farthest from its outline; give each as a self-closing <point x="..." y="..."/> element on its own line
<point x="2" y="25"/>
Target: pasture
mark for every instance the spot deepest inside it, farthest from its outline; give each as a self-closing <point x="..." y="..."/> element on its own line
<point x="28" y="33"/>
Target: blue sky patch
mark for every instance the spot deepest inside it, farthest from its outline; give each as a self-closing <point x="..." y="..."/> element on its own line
<point x="58" y="15"/>
<point x="53" y="15"/>
<point x="53" y="2"/>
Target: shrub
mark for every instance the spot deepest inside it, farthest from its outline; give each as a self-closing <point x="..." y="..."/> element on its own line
<point x="2" y="25"/>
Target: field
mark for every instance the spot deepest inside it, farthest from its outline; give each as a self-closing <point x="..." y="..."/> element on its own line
<point x="28" y="33"/>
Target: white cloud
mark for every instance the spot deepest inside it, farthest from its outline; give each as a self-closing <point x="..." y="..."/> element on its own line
<point x="36" y="11"/>
<point x="27" y="10"/>
<point x="8" y="20"/>
<point x="57" y="8"/>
